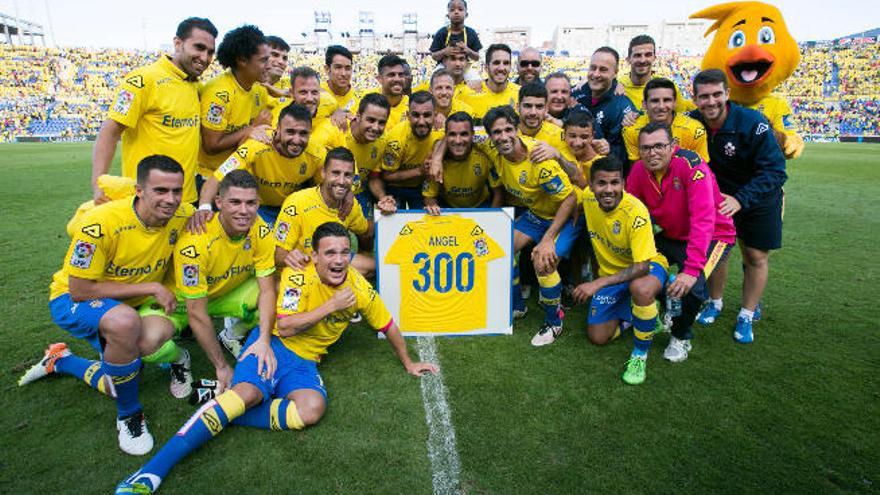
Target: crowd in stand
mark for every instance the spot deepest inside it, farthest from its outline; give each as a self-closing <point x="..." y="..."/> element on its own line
<point x="66" y="91"/>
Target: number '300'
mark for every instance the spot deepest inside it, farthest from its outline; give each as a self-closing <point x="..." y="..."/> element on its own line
<point x="442" y="271"/>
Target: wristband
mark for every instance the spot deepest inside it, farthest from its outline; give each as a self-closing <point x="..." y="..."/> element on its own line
<point x="205" y="207"/>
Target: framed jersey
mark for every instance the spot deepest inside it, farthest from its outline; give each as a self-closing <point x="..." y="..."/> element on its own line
<point x="448" y="274"/>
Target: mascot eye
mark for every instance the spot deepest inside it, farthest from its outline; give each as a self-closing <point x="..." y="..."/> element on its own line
<point x="737" y="39"/>
<point x="766" y="35"/>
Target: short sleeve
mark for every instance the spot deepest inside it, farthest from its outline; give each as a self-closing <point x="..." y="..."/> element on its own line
<point x="292" y="293"/>
<point x="554" y="181"/>
<point x="242" y="158"/>
<point x="214" y="110"/>
<point x="642" y="236"/>
<point x="264" y="255"/>
<point x="132" y="100"/>
<point x="190" y="268"/>
<point x="288" y="228"/>
<point x="90" y="248"/>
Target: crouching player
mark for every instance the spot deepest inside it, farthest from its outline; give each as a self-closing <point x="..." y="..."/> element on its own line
<point x="226" y="271"/>
<point x="683" y="198"/>
<point x="314" y="306"/>
<point x="631" y="271"/>
<point x="118" y="256"/>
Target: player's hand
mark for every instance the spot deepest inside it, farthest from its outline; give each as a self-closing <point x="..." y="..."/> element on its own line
<point x="263" y="118"/>
<point x="619" y="90"/>
<point x="584" y="291"/>
<point x="345" y="206"/>
<point x="266" y="362"/>
<point x="296" y="259"/>
<point x="439" y="121"/>
<point x="197" y="223"/>
<point x="432" y="207"/>
<point x="224" y="378"/>
<point x="553" y="120"/>
<point x="387" y="205"/>
<point x="729" y="206"/>
<point x="99" y="197"/>
<point x="419" y="369"/>
<point x="682" y="285"/>
<point x="435" y="169"/>
<point x="339" y="118"/>
<point x="629" y="118"/>
<point x="165" y="298"/>
<point x="601" y="146"/>
<point x="261" y="133"/>
<point x="343" y="299"/>
<point x="544" y="256"/>
<point x="543" y="151"/>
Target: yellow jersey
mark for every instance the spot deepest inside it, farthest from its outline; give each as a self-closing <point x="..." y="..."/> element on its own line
<point x="212" y="264"/>
<point x="464" y="182"/>
<point x="303" y="212"/>
<point x="111" y="244"/>
<point x="621" y="237"/>
<point x="551" y="134"/>
<point x="367" y="156"/>
<point x="395" y="116"/>
<point x="343" y="102"/>
<point x="488" y="99"/>
<point x="443" y="273"/>
<point x="226" y="107"/>
<point x="159" y="108"/>
<point x="303" y="291"/>
<point x="636" y="94"/>
<point x="585" y="165"/>
<point x="541" y="186"/>
<point x="690" y="134"/>
<point x="277" y="176"/>
<point x="778" y="112"/>
<point x="403" y="151"/>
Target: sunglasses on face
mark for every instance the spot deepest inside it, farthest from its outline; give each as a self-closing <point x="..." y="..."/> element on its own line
<point x="529" y="63"/>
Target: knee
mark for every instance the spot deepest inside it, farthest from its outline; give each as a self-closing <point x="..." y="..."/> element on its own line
<point x="598" y="337"/>
<point x="643" y="293"/>
<point x="310" y="409"/>
<point x="122" y="326"/>
<point x="757" y="260"/>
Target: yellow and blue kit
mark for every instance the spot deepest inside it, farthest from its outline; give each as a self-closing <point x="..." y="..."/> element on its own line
<point x="303" y="212"/>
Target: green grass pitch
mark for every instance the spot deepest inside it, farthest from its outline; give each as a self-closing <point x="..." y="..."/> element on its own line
<point x="797" y="411"/>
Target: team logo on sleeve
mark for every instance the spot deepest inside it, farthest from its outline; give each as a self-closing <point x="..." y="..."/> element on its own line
<point x="229" y="165"/>
<point x="190" y="252"/>
<point x="698" y="175"/>
<point x="136" y="81"/>
<point x="639" y="222"/>
<point x="761" y="129"/>
<point x="290" y="299"/>
<point x="291" y="210"/>
<point x="242" y="152"/>
<point x="481" y="247"/>
<point x="190" y="275"/>
<point x="123" y="102"/>
<point x="281" y="231"/>
<point x="297" y="279"/>
<point x="223" y="96"/>
<point x="93" y="230"/>
<point x="699" y="132"/>
<point x="215" y="114"/>
<point x="264" y="231"/>
<point x="82" y="255"/>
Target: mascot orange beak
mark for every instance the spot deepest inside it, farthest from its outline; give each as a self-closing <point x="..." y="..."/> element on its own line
<point x="750" y="66"/>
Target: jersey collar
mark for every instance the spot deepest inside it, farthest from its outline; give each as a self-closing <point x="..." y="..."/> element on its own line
<point x="167" y="64"/>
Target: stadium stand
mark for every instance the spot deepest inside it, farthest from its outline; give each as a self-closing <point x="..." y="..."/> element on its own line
<point x="65" y="92"/>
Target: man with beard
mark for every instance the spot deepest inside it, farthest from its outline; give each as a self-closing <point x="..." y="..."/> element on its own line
<point x="303" y="211"/>
<point x="598" y="96"/>
<point x="408" y="146"/>
<point x="365" y="138"/>
<point x="234" y="105"/>
<point x="280" y="167"/>
<point x="496" y="90"/>
<point x="529" y="66"/>
<point x="162" y="118"/>
<point x="641" y="56"/>
<point x="660" y="102"/>
<point x="544" y="189"/>
<point x="631" y="271"/>
<point x="392" y="81"/>
<point x="467" y="175"/>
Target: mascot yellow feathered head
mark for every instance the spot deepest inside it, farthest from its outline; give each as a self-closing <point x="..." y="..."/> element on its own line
<point x="752" y="46"/>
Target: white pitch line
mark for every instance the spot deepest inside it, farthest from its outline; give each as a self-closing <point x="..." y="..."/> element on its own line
<point x="445" y="464"/>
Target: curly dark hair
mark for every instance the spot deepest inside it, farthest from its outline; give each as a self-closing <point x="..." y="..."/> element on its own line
<point x="241" y="43"/>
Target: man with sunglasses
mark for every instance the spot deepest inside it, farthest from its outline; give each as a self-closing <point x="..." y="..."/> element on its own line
<point x="529" y="66"/>
<point x="684" y="201"/>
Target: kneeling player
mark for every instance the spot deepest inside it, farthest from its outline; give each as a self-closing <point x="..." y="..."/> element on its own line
<point x="631" y="271"/>
<point x="314" y="306"/>
<point x="118" y="257"/>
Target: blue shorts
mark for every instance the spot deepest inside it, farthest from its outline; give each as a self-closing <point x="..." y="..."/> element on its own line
<point x="81" y="319"/>
<point x="365" y="199"/>
<point x="292" y="373"/>
<point x="613" y="302"/>
<point x="407" y="198"/>
<point x="534" y="226"/>
<point x="269" y="214"/>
